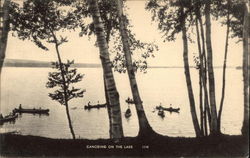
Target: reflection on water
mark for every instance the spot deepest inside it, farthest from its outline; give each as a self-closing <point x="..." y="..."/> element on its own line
<point x="8" y="122"/>
<point x="26" y="86"/>
<point x="34" y="114"/>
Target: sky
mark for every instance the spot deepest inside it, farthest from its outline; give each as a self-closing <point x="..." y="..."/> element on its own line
<point x="82" y="49"/>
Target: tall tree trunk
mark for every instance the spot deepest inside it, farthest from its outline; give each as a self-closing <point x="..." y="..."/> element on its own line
<point x="214" y="126"/>
<point x="144" y="127"/>
<point x="224" y="71"/>
<point x="202" y="56"/>
<point x="201" y="77"/>
<point x="205" y="121"/>
<point x="201" y="103"/>
<point x="4" y="30"/>
<point x="188" y="78"/>
<point x="65" y="93"/>
<point x="246" y="44"/>
<point x="64" y="85"/>
<point x="116" y="131"/>
<point x="69" y="121"/>
<point x="207" y="113"/>
<point x="107" y="102"/>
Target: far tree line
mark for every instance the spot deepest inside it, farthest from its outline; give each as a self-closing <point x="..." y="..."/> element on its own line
<point x="41" y="21"/>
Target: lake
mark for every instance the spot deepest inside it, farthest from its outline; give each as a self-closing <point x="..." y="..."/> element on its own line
<point x="26" y="86"/>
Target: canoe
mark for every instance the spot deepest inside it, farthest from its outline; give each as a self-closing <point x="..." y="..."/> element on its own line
<point x="31" y="111"/>
<point x="130" y="101"/>
<point x="8" y="118"/>
<point x="88" y="107"/>
<point x="161" y="113"/>
<point x="128" y="113"/>
<point x="170" y="109"/>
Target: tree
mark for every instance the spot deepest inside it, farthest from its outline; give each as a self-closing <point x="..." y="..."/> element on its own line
<point x="214" y="126"/>
<point x="63" y="78"/>
<point x="116" y="131"/>
<point x="198" y="131"/>
<point x="245" y="65"/>
<point x="144" y="127"/>
<point x="4" y="30"/>
<point x="202" y="63"/>
<point x="237" y="25"/>
<point x="224" y="67"/>
<point x="41" y="20"/>
<point x="172" y="20"/>
<point x="199" y="66"/>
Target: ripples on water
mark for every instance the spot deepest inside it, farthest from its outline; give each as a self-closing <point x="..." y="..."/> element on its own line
<point x="27" y="86"/>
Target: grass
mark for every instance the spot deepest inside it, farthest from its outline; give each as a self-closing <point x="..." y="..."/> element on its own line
<point x="157" y="146"/>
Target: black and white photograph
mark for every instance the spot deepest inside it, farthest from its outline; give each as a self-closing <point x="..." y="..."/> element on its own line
<point x="124" y="78"/>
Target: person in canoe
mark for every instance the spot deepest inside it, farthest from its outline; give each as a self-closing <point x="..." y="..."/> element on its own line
<point x="89" y="103"/>
<point x="128" y="112"/>
<point x="160" y="106"/>
<point x="20" y="106"/>
<point x="161" y="113"/>
<point x="1" y="116"/>
<point x="128" y="99"/>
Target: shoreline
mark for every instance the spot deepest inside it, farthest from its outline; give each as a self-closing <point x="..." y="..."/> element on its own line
<point x="155" y="145"/>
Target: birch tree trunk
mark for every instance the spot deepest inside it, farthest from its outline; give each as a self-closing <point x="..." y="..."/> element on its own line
<point x="245" y="65"/>
<point x="203" y="61"/>
<point x="207" y="113"/>
<point x="144" y="127"/>
<point x="201" y="77"/>
<point x="116" y="131"/>
<point x="214" y="126"/>
<point x="188" y="78"/>
<point x="224" y="71"/>
<point x="4" y="31"/>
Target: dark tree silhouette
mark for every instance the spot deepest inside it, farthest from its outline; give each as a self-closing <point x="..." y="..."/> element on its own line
<point x="246" y="67"/>
<point x="173" y="18"/>
<point x="39" y="21"/>
<point x="64" y="78"/>
<point x="224" y="66"/>
<point x="4" y="29"/>
<point x="144" y="128"/>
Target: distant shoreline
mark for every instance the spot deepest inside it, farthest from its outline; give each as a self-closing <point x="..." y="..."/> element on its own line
<point x="99" y="66"/>
<point x="45" y="64"/>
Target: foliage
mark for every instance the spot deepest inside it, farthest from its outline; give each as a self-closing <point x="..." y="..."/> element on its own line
<point x="71" y="76"/>
<point x="168" y="14"/>
<point x="145" y="50"/>
<point x="109" y="16"/>
<point x="39" y="21"/>
<point x="38" y="18"/>
<point x="220" y="9"/>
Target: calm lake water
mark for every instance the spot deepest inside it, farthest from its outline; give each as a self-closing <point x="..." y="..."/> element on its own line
<point x="168" y="86"/>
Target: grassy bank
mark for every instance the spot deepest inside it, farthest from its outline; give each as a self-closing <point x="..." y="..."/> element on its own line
<point x="223" y="146"/>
